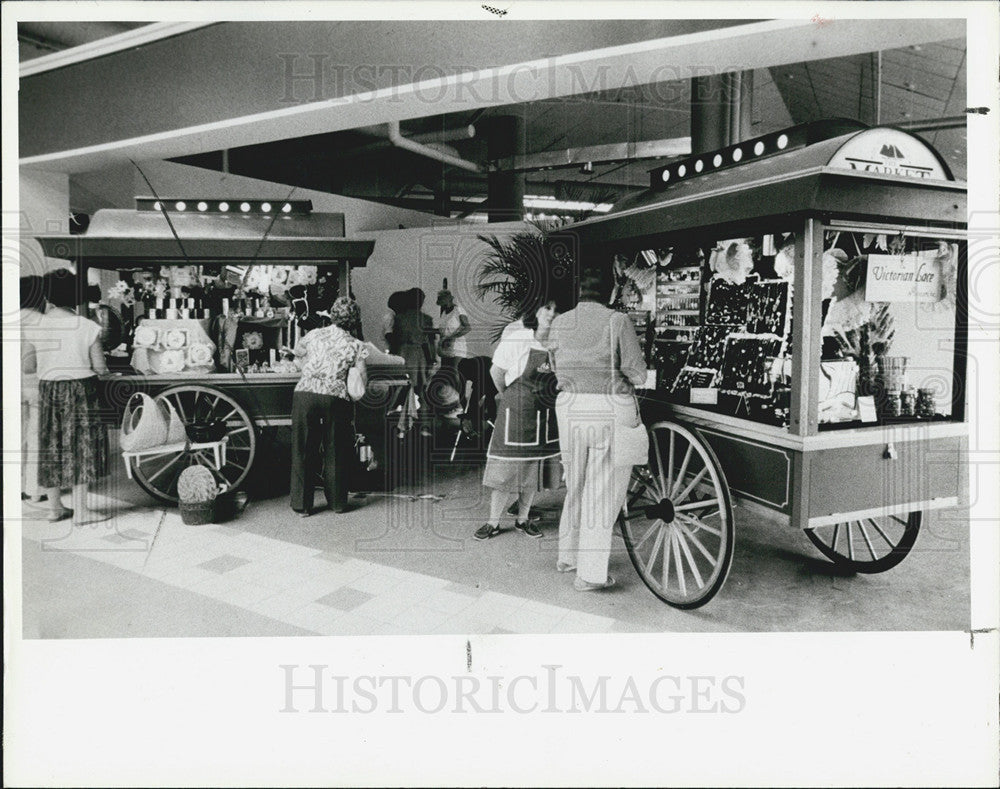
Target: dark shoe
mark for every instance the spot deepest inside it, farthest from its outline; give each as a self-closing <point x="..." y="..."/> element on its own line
<point x="513" y="510"/>
<point x="342" y="508"/>
<point x="528" y="528"/>
<point x="302" y="513"/>
<point x="55" y="517"/>
<point x="487" y="532"/>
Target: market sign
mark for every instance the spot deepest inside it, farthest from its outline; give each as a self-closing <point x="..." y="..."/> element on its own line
<point x="889" y="152"/>
<point x="912" y="277"/>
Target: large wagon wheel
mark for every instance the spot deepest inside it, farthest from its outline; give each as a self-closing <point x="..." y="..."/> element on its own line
<point x="868" y="545"/>
<point x="157" y="473"/>
<point x="678" y="519"/>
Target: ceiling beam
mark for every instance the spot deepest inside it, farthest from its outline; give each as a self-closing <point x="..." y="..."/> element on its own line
<point x="108" y="45"/>
<point x="610" y="153"/>
<point x="754" y="45"/>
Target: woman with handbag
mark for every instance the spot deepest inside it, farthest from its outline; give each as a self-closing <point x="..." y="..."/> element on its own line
<point x="524" y="448"/>
<point x="322" y="408"/>
<point x="64" y="349"/>
<point x="598" y="363"/>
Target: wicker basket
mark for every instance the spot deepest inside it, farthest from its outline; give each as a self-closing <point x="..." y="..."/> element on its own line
<point x="197" y="513"/>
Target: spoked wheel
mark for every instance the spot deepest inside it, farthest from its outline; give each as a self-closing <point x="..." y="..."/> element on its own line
<point x="678" y="519"/>
<point x="157" y="473"/>
<point x="868" y="545"/>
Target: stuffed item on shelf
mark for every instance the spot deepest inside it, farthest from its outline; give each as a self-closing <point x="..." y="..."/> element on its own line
<point x="833" y="259"/>
<point x="732" y="261"/>
<point x="784" y="260"/>
<point x="257" y="279"/>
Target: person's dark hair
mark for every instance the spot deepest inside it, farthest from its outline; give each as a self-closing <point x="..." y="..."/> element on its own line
<point x="530" y="318"/>
<point x="62" y="289"/>
<point x="32" y="293"/>
<point x="418" y="297"/>
<point x="397" y="301"/>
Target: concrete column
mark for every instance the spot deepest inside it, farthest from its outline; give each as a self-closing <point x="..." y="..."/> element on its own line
<point x="720" y="110"/>
<point x="505" y="190"/>
<point x="44" y="210"/>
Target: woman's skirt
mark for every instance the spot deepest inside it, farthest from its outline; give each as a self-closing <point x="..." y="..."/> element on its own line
<point x="72" y="441"/>
<point x="517" y="476"/>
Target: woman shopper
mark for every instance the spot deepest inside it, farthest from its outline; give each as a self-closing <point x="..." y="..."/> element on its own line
<point x="525" y="440"/>
<point x="413" y="332"/>
<point x="598" y="362"/>
<point x="32" y="309"/>
<point x="322" y="411"/>
<point x="64" y="350"/>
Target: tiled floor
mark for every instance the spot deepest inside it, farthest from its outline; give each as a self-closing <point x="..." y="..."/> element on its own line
<point x="402" y="566"/>
<point x="323" y="592"/>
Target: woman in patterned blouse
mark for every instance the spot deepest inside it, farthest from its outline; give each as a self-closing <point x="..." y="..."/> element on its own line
<point x="322" y="411"/>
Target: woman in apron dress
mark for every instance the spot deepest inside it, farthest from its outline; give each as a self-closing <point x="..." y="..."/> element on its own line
<point x="524" y="450"/>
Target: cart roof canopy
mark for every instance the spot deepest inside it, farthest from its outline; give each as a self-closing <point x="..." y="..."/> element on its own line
<point x="871" y="174"/>
<point x="211" y="230"/>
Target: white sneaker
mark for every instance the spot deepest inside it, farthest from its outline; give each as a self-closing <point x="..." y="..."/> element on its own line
<point x="586" y="586"/>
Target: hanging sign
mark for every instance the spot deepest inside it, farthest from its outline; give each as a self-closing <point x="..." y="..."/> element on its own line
<point x="889" y="152"/>
<point x="912" y="277"/>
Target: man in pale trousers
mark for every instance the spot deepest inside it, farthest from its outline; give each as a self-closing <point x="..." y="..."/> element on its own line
<point x="598" y="362"/>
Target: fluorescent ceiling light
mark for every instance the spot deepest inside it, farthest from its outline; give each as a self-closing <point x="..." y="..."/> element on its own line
<point x="551" y="204"/>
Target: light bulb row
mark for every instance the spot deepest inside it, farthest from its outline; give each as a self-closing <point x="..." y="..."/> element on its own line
<point x="718" y="159"/>
<point x="247" y="207"/>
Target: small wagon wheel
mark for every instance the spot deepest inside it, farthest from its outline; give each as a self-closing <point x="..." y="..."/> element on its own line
<point x="678" y="519"/>
<point x="868" y="545"/>
<point x="157" y="473"/>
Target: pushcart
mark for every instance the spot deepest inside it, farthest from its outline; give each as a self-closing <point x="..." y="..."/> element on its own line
<point x="217" y="233"/>
<point x="797" y="275"/>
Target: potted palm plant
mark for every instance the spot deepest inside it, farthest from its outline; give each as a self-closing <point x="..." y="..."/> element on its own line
<point x="517" y="267"/>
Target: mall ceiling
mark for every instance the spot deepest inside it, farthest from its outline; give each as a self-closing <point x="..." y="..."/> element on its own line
<point x="925" y="83"/>
<point x="922" y="87"/>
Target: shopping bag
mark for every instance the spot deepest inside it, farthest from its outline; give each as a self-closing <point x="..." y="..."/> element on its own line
<point x="630" y="445"/>
<point x="357" y="382"/>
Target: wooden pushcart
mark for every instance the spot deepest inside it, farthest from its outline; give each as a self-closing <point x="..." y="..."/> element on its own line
<point x="850" y="468"/>
<point x="217" y="233"/>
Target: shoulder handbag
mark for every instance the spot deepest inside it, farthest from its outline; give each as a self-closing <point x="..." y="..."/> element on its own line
<point x="630" y="440"/>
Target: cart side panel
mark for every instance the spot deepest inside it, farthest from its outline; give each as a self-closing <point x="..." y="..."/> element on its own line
<point x="903" y="476"/>
<point x="754" y="471"/>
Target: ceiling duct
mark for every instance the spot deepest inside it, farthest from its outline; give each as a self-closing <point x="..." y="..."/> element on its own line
<point x="397" y="139"/>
